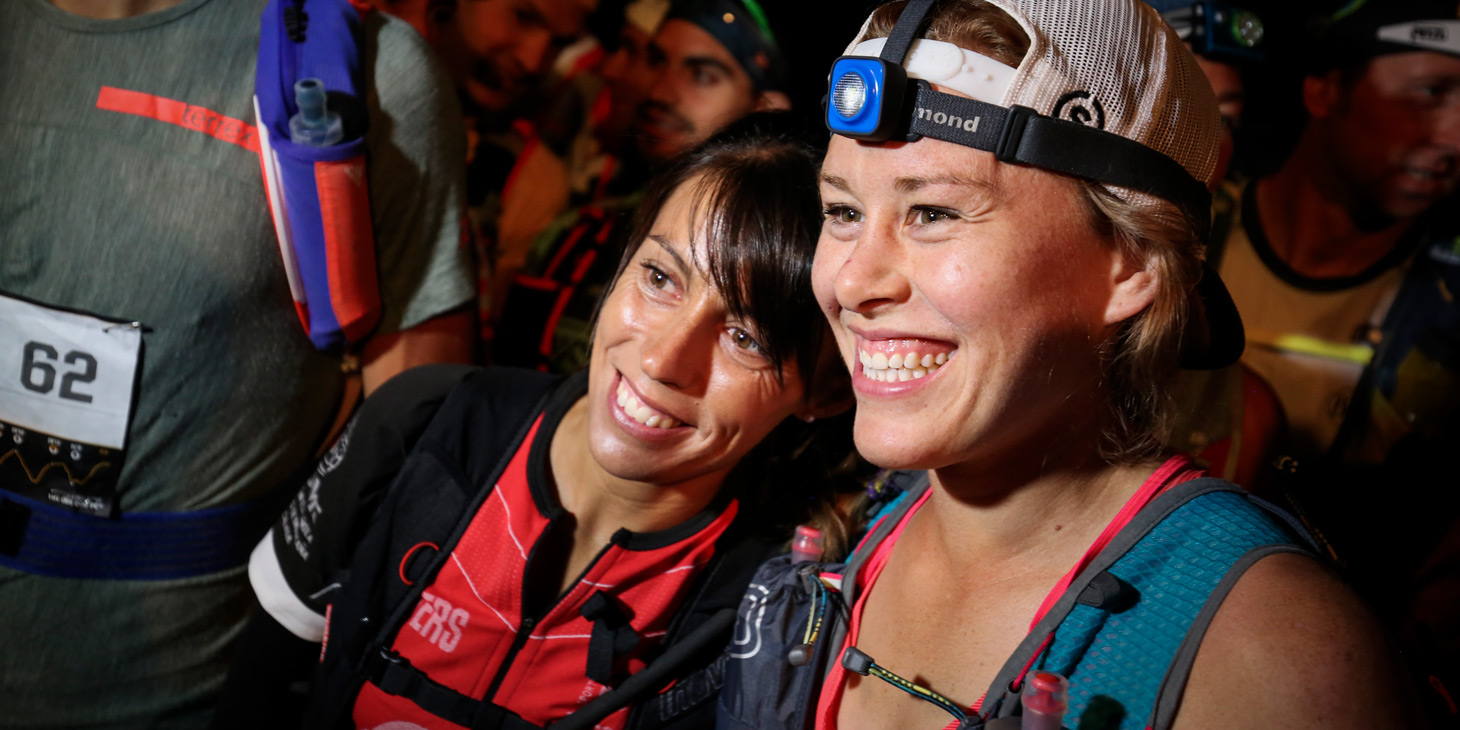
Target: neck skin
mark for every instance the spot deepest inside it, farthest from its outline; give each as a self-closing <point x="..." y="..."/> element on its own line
<point x="602" y="503"/>
<point x="1308" y="216"/>
<point x="112" y="9"/>
<point x="1041" y="510"/>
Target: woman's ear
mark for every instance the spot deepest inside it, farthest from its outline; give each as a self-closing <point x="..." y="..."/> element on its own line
<point x="1133" y="287"/>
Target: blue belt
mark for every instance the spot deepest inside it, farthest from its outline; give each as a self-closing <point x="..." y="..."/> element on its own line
<point x="43" y="539"/>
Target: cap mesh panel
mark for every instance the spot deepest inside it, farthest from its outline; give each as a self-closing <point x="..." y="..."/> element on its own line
<point x="1131" y="65"/>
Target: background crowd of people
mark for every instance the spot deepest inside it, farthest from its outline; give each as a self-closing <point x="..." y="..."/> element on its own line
<point x="510" y="145"/>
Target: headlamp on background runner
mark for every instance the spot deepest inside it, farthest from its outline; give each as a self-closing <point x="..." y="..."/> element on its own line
<point x="1215" y="28"/>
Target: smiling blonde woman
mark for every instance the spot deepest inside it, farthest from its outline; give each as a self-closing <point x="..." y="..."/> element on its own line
<point x="1015" y="206"/>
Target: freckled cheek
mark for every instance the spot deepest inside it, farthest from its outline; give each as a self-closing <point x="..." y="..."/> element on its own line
<point x="964" y="291"/>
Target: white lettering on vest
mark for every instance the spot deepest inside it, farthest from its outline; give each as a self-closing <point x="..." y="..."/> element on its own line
<point x="439" y="622"/>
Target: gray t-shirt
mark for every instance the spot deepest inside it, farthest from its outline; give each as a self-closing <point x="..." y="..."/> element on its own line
<point x="160" y="217"/>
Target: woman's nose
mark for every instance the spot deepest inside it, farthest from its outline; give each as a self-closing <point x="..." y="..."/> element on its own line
<point x="872" y="275"/>
<point x="676" y="352"/>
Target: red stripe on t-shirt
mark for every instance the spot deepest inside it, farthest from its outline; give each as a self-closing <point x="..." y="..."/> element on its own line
<point x="188" y="116"/>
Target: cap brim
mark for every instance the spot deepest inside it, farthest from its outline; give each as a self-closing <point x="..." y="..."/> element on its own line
<point x="1219" y="338"/>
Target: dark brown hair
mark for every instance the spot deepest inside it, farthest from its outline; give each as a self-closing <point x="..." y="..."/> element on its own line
<point x="756" y="181"/>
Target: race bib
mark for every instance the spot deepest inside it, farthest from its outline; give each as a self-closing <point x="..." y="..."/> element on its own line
<point x="66" y="393"/>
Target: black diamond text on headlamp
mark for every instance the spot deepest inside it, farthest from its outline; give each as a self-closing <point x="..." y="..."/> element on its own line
<point x="891" y="106"/>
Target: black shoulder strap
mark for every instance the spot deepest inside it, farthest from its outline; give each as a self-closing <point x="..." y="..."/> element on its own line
<point x="472" y="437"/>
<point x="704" y="624"/>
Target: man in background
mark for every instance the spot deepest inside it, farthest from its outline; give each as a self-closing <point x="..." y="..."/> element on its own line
<point x="494" y="49"/>
<point x="1345" y="269"/>
<point x="1229" y="419"/>
<point x="141" y="288"/>
<point x="711" y="62"/>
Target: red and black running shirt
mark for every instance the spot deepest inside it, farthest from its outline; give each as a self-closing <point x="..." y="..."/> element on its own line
<point x="482" y="627"/>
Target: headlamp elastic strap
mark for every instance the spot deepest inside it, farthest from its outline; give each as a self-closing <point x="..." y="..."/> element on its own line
<point x="1012" y="133"/>
<point x="1020" y="135"/>
<point x="905" y="31"/>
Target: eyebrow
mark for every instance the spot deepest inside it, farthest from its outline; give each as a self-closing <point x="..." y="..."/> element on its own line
<point x="836" y="182"/>
<point x="911" y="184"/>
<point x="679" y="262"/>
<point x="698" y="62"/>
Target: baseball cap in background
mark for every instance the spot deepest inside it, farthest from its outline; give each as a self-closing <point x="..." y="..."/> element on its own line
<point x="1217" y="30"/>
<point x="1364" y="29"/>
<point x="741" y="27"/>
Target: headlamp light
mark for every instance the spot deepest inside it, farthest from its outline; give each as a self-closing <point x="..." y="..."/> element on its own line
<point x="1247" y="28"/>
<point x="849" y="94"/>
<point x="865" y="97"/>
<point x="1215" y="28"/>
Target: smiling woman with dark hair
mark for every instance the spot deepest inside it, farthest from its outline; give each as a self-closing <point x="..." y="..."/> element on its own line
<point x="507" y="546"/>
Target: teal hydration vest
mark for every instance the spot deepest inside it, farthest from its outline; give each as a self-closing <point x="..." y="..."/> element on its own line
<point x="1125" y="633"/>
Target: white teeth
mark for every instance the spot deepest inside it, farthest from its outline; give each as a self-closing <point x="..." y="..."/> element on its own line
<point x="640" y="412"/>
<point x="899" y="367"/>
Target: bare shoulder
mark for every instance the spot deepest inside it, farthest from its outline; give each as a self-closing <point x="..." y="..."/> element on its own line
<point x="1293" y="647"/>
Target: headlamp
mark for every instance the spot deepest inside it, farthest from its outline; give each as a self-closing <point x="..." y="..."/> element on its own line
<point x="865" y="97"/>
<point x="1216" y="28"/>
<point x="906" y="93"/>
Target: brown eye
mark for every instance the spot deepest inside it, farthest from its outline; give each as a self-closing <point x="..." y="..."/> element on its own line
<point x="929" y="216"/>
<point x="842" y="214"/>
<point x="743" y="340"/>
<point x="656" y="278"/>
